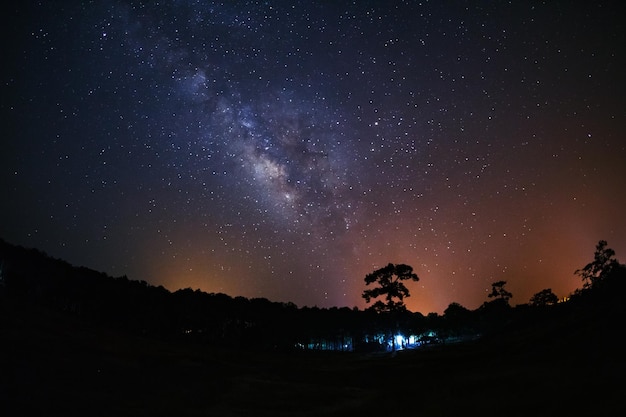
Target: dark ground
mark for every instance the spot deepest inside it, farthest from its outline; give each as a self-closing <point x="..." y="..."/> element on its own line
<point x="54" y="364"/>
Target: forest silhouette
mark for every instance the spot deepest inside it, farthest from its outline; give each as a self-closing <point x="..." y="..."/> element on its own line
<point x="74" y="337"/>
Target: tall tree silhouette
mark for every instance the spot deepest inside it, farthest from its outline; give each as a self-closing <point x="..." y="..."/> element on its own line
<point x="390" y="285"/>
<point x="603" y="264"/>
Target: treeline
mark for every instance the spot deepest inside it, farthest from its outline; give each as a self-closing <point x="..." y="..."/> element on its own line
<point x="194" y="315"/>
<point x="259" y="324"/>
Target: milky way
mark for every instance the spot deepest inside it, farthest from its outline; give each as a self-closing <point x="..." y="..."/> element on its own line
<point x="285" y="150"/>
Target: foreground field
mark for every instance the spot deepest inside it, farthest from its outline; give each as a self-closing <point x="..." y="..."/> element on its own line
<point x="56" y="365"/>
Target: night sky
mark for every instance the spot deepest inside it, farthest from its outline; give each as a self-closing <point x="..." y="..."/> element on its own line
<point x="286" y="149"/>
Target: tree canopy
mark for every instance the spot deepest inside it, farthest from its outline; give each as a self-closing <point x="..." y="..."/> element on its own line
<point x="544" y="298"/>
<point x="603" y="264"/>
<point x="498" y="291"/>
<point x="390" y="285"/>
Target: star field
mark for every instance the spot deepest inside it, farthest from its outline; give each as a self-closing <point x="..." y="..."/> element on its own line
<point x="284" y="150"/>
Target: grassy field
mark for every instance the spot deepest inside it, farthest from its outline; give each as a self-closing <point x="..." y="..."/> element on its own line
<point x="56" y="365"/>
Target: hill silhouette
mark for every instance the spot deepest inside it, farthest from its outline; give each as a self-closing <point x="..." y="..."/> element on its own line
<point x="78" y="342"/>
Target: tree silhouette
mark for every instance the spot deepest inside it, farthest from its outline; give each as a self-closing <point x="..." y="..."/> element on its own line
<point x="498" y="291"/>
<point x="390" y="285"/>
<point x="544" y="298"/>
<point x="457" y="320"/>
<point x="602" y="266"/>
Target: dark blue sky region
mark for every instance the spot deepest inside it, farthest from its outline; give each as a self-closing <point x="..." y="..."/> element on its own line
<point x="286" y="149"/>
